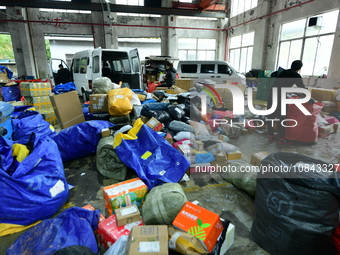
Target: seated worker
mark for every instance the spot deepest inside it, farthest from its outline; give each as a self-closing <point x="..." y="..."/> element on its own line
<point x="170" y="77"/>
<point x="63" y="76"/>
<point x="285" y="79"/>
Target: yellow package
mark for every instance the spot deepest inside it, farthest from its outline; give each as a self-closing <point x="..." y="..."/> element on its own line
<point x="120" y="101"/>
<point x="184" y="243"/>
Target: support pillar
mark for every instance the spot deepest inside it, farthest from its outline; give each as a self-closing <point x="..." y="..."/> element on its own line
<point x="21" y="42"/>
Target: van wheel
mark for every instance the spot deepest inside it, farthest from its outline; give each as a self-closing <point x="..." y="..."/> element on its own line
<point x="84" y="96"/>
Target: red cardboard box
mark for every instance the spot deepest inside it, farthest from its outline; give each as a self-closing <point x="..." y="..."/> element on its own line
<point x="109" y="232"/>
<point x="199" y="222"/>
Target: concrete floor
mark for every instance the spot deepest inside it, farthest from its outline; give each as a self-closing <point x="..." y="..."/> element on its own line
<point x="213" y="192"/>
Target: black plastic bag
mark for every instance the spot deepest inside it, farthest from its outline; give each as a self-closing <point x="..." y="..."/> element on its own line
<point x="175" y="112"/>
<point x="295" y="215"/>
<point x="161" y="116"/>
<point x="153" y="107"/>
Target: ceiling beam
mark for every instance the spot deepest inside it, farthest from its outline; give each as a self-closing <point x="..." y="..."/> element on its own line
<point x="113" y="7"/>
<point x="206" y="3"/>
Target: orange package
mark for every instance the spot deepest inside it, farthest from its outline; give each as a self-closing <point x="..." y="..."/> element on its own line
<point x="124" y="194"/>
<point x="205" y="225"/>
<point x="91" y="208"/>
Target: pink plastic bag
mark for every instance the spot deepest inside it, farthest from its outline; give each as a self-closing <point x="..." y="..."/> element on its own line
<point x="331" y="119"/>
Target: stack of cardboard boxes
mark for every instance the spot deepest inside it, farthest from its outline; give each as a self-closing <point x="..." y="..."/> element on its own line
<point x="37" y="95"/>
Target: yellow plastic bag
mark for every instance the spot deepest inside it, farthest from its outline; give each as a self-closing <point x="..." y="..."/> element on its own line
<point x="120" y="101"/>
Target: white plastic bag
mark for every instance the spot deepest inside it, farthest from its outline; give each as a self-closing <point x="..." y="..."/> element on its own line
<point x="118" y="247"/>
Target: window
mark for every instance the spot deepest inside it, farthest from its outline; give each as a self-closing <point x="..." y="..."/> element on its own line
<point x="83" y="65"/>
<point x="311" y="43"/>
<point x="117" y="66"/>
<point x="135" y="64"/>
<point x="196" y="49"/>
<point x="96" y="64"/>
<point x="63" y="10"/>
<point x="76" y="66"/>
<point x="126" y="65"/>
<point x="207" y="68"/>
<point x="240" y="6"/>
<point x="241" y="52"/>
<point x="223" y="69"/>
<point x="189" y="68"/>
<point x="131" y="2"/>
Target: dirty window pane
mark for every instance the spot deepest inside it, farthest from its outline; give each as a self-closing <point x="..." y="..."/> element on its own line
<point x="237" y="59"/>
<point x="243" y="61"/>
<point x="208" y="44"/>
<point x="96" y="64"/>
<point x="309" y="56"/>
<point x="182" y="54"/>
<point x="249" y="59"/>
<point x="323" y="55"/>
<point x="326" y="24"/>
<point x="253" y="4"/>
<point x="293" y="29"/>
<point x="191" y="55"/>
<point x="235" y="41"/>
<point x="186" y="43"/>
<point x="210" y="55"/>
<point x="248" y="39"/>
<point x="232" y="57"/>
<point x="295" y="51"/>
<point x="284" y="54"/>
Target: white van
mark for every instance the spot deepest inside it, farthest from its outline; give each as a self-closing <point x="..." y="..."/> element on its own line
<point x="88" y="65"/>
<point x="207" y="69"/>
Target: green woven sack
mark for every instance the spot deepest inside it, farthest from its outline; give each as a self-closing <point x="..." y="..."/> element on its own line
<point x="163" y="203"/>
<point x="108" y="162"/>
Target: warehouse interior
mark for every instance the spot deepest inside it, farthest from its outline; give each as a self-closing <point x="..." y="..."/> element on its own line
<point x="253" y="36"/>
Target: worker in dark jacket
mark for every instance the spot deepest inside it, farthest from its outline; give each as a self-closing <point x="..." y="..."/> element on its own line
<point x="63" y="75"/>
<point x="285" y="79"/>
<point x="170" y="76"/>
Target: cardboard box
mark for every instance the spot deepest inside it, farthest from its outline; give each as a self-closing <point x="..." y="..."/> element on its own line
<point x="221" y="157"/>
<point x="244" y="131"/>
<point x="198" y="145"/>
<point x="257" y="157"/>
<point x="109" y="232"/>
<point x="185" y="84"/>
<point x="199" y="222"/>
<point x="126" y="215"/>
<point x="320" y="94"/>
<point x="184" y="243"/>
<point x="187" y="152"/>
<point x="124" y="194"/>
<point x="148" y="240"/>
<point x="336" y="127"/>
<point x="154" y="124"/>
<point x="168" y="137"/>
<point x="49" y="116"/>
<point x="235" y="155"/>
<point x="226" y="95"/>
<point x="4" y="77"/>
<point x="144" y="119"/>
<point x="98" y="103"/>
<point x="39" y="103"/>
<point x="327" y="129"/>
<point x="215" y="149"/>
<point x="106" y="132"/>
<point x="91" y="208"/>
<point x="35" y="89"/>
<point x="67" y="108"/>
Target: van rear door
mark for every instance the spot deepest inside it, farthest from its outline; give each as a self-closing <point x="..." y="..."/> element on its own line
<point x="96" y="63"/>
<point x="133" y="76"/>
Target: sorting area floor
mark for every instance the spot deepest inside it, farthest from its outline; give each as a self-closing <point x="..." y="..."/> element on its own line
<point x="212" y="192"/>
